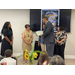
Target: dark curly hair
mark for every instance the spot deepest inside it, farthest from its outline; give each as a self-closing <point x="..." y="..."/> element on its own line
<point x="5" y="26"/>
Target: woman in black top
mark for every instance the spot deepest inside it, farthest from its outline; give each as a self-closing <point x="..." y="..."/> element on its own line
<point x="60" y="38"/>
<point x="7" y="41"/>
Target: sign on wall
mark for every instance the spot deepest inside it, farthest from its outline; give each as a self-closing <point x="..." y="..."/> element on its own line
<point x="53" y="16"/>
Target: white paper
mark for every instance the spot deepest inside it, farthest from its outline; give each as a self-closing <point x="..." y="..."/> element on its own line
<point x="39" y="33"/>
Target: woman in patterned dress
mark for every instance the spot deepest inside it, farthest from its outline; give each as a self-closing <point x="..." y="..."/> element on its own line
<point x="60" y="38"/>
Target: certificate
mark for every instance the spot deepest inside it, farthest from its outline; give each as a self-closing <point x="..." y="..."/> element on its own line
<point x="39" y="33"/>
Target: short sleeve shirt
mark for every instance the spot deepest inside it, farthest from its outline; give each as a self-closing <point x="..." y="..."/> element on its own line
<point x="8" y="33"/>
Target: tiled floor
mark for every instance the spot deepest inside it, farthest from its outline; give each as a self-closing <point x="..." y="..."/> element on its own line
<point x="67" y="61"/>
<point x="70" y="61"/>
<point x="20" y="61"/>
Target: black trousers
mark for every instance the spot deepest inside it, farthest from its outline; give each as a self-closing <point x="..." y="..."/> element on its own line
<point x="60" y="50"/>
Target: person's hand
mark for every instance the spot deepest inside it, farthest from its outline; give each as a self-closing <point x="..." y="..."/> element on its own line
<point x="59" y="41"/>
<point x="41" y="35"/>
<point x="38" y="44"/>
<point x="36" y="34"/>
<point x="29" y="42"/>
<point x="11" y="43"/>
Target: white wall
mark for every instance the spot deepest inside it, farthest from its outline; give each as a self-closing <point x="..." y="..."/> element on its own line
<point x="19" y="18"/>
<point x="70" y="45"/>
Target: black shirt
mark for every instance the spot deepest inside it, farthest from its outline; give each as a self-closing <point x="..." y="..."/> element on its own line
<point x="8" y="33"/>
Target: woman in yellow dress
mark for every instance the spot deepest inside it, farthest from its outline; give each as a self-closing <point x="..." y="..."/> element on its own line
<point x="27" y="37"/>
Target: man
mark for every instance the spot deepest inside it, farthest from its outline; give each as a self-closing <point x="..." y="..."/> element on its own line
<point x="48" y="36"/>
<point x="9" y="60"/>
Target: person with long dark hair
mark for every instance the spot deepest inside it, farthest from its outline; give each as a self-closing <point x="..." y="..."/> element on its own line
<point x="7" y="41"/>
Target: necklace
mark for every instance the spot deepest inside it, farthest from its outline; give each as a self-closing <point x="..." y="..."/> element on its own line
<point x="28" y="35"/>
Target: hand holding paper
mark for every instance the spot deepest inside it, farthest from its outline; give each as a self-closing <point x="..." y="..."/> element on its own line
<point x="39" y="33"/>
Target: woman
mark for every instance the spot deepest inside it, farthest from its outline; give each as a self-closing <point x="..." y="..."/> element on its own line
<point x="7" y="41"/>
<point x="27" y="37"/>
<point x="43" y="45"/>
<point x="44" y="58"/>
<point x="60" y="38"/>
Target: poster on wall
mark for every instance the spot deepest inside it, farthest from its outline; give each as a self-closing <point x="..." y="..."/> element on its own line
<point x="53" y="17"/>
